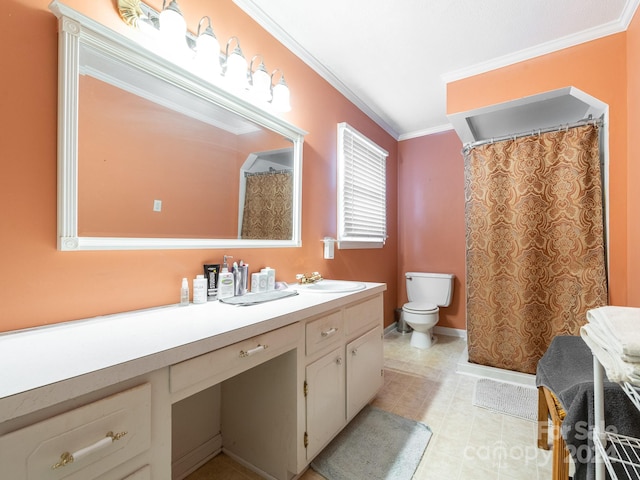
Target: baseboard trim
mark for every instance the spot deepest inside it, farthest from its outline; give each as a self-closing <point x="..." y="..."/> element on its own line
<point x="390" y="328"/>
<point x="450" y="332"/>
<point x="248" y="465"/>
<point x="193" y="460"/>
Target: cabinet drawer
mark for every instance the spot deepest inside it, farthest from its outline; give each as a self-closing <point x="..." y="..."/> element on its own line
<point x="363" y="315"/>
<point x="325" y="331"/>
<point x="201" y="372"/>
<point x="30" y="453"/>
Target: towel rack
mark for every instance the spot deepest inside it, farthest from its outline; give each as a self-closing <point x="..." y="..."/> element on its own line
<point x="612" y="448"/>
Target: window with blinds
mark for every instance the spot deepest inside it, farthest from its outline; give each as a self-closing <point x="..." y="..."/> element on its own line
<point x="362" y="198"/>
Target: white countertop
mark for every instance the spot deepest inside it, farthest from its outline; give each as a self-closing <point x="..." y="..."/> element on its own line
<point x="126" y="345"/>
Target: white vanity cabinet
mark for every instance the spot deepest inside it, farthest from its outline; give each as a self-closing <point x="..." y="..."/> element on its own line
<point x="340" y="382"/>
<point x="186" y="384"/>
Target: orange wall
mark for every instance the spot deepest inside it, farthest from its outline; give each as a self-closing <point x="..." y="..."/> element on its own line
<point x="599" y="69"/>
<point x="40" y="285"/>
<point x="431" y="228"/>
<point x="633" y="166"/>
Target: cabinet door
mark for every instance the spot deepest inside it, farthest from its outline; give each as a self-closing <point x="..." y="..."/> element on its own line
<point x="364" y="370"/>
<point x="325" y="400"/>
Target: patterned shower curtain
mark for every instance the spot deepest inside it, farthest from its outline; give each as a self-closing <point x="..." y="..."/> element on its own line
<point x="268" y="206"/>
<point x="535" y="244"/>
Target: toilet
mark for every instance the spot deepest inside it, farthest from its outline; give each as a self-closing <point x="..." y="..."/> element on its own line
<point x="426" y="292"/>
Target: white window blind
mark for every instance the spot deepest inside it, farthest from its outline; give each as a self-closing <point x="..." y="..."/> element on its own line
<point x="362" y="198"/>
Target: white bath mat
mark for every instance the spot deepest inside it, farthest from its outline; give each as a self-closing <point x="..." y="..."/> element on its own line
<point x="507" y="398"/>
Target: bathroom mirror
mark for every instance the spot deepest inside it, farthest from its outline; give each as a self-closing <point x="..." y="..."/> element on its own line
<point x="151" y="156"/>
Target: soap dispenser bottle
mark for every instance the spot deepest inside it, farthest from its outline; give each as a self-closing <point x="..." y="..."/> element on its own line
<point x="226" y="287"/>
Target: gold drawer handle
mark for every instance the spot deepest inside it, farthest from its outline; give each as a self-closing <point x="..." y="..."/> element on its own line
<point x="66" y="458"/>
<point x="329" y="332"/>
<point x="252" y="351"/>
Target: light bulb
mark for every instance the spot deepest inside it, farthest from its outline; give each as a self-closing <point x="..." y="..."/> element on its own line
<point x="207" y="52"/>
<point x="173" y="27"/>
<point x="281" y="96"/>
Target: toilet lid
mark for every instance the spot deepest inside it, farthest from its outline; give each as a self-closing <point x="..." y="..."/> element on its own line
<point x="420" y="307"/>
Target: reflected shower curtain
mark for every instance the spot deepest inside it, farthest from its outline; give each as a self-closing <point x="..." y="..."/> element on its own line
<point x="535" y="244"/>
<point x="268" y="206"/>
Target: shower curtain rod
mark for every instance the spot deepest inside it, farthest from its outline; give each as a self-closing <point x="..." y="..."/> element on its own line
<point x="513" y="136"/>
<point x="267" y="172"/>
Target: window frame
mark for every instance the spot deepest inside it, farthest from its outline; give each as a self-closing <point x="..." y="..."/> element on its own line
<point x="376" y="158"/>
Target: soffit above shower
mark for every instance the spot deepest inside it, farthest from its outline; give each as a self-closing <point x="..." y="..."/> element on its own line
<point x="528" y="114"/>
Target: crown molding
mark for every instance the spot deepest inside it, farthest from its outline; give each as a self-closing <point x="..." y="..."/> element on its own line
<point x="607" y="29"/>
<point x="427" y="131"/>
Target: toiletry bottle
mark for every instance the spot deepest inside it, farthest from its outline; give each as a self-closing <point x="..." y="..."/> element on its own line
<point x="244" y="275"/>
<point x="262" y="281"/>
<point x="237" y="280"/>
<point x="184" y="293"/>
<point x="271" y="277"/>
<point x="200" y="289"/>
<point x="225" y="282"/>
<point x="255" y="282"/>
<point x="211" y="272"/>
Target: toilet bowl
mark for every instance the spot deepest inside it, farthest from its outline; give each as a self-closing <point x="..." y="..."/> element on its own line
<point x="422" y="317"/>
<point x="426" y="293"/>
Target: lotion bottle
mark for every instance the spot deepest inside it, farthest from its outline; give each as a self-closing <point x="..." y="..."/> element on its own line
<point x="184" y="293"/>
<point x="226" y="286"/>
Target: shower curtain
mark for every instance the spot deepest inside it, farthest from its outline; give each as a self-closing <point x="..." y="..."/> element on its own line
<point x="535" y="244"/>
<point x="268" y="206"/>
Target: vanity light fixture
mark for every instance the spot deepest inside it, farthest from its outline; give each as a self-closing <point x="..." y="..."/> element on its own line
<point x="235" y="66"/>
<point x="207" y="51"/>
<point x="281" y="100"/>
<point x="173" y="26"/>
<point x="166" y="33"/>
<point x="260" y="80"/>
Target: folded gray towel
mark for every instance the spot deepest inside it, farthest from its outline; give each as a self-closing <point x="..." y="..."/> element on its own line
<point x="566" y="369"/>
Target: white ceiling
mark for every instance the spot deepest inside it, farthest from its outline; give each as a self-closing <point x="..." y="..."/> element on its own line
<point x="394" y="58"/>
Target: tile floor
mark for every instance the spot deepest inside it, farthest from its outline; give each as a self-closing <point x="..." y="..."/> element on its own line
<point x="468" y="443"/>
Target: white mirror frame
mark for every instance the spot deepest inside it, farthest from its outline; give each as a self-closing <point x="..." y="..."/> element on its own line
<point x="75" y="28"/>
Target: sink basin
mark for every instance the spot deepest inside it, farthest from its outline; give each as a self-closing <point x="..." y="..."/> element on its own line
<point x="332" y="286"/>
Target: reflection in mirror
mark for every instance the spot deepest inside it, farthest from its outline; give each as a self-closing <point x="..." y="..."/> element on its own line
<point x="134" y="155"/>
<point x="152" y="156"/>
<point x="266" y="190"/>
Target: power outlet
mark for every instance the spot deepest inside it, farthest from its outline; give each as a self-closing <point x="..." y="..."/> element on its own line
<point x="157" y="205"/>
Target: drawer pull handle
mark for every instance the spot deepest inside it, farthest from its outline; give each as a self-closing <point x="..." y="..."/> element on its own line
<point x="339" y="361"/>
<point x="329" y="332"/>
<point x="252" y="351"/>
<point x="66" y="458"/>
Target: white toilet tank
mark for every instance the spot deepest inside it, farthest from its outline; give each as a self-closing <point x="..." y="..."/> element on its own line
<point x="436" y="288"/>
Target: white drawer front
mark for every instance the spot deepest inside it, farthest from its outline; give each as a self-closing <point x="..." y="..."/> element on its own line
<point x="211" y="368"/>
<point x="323" y="332"/>
<point x="31" y="453"/>
<point x="363" y="315"/>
